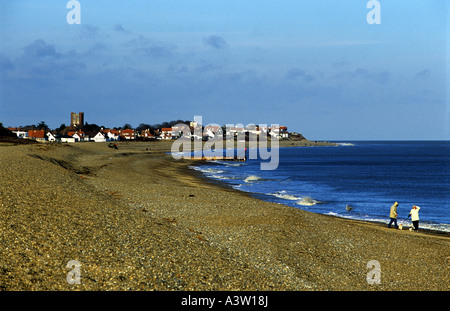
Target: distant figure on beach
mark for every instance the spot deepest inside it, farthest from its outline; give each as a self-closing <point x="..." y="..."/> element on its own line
<point x="414" y="213"/>
<point x="393" y="214"/>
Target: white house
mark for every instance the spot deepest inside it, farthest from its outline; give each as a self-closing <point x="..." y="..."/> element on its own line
<point x="99" y="138"/>
<point x="112" y="136"/>
<point x="21" y="134"/>
<point x="279" y="132"/>
<point x="211" y="131"/>
<point x="77" y="137"/>
<point x="67" y="139"/>
<point x="50" y="137"/>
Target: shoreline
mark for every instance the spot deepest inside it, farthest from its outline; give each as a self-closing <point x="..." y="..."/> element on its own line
<point x="253" y="195"/>
<point x="137" y="219"/>
<point x="287" y="145"/>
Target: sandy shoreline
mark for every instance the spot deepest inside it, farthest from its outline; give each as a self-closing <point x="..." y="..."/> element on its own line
<point x="136" y="219"/>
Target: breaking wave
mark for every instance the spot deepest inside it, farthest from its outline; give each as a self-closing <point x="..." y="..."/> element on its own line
<point x="252" y="178"/>
<point x="283" y="195"/>
<point x="307" y="201"/>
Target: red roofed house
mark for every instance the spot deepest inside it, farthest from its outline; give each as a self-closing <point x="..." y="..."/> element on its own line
<point x="36" y="134"/>
<point x="77" y="135"/>
<point x="166" y="133"/>
<point x="128" y="134"/>
<point x="146" y="134"/>
<point x="111" y="134"/>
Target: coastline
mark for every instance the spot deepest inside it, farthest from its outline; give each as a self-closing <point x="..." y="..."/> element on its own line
<point x="257" y="196"/>
<point x="137" y="219"/>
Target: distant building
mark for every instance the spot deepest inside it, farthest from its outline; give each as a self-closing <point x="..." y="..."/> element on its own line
<point x="111" y="134"/>
<point x="99" y="138"/>
<point x="36" y="134"/>
<point x="19" y="132"/>
<point x="76" y="119"/>
<point x="128" y="134"/>
<point x="147" y="134"/>
<point x="166" y="133"/>
<point x="67" y="139"/>
<point x="50" y="136"/>
<point x="279" y="132"/>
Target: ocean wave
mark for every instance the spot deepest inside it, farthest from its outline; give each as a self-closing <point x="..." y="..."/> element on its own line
<point x="307" y="201"/>
<point x="220" y="177"/>
<point x="252" y="178"/>
<point x="345" y="144"/>
<point x="283" y="195"/>
<point x="226" y="163"/>
<point x="207" y="170"/>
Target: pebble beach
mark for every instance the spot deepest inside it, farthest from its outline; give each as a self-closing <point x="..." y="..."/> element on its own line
<point x="137" y="219"/>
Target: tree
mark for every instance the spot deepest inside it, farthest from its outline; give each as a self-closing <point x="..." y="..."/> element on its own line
<point x="61" y="128"/>
<point x="127" y="126"/>
<point x="42" y="126"/>
<point x="91" y="127"/>
<point x="4" y="132"/>
<point x="143" y="126"/>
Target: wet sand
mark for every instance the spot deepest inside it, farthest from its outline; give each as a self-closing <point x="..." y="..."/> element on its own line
<point x="136" y="219"/>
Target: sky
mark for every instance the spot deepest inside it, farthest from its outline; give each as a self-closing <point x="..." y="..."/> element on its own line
<point x="317" y="67"/>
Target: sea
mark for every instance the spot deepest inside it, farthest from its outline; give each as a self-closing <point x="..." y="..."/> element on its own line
<point x="355" y="179"/>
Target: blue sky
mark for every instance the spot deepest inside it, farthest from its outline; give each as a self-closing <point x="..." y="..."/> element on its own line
<point x="317" y="67"/>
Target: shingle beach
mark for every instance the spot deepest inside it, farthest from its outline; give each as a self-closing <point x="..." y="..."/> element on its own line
<point x="137" y="219"/>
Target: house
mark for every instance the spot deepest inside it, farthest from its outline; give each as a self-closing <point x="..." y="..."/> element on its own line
<point x="36" y="135"/>
<point x="67" y="139"/>
<point x="128" y="134"/>
<point x="111" y="134"/>
<point x="181" y="130"/>
<point x="99" y="137"/>
<point x="50" y="136"/>
<point x="254" y="130"/>
<point x="19" y="132"/>
<point x="166" y="133"/>
<point x="146" y="134"/>
<point x="210" y="131"/>
<point x="279" y="132"/>
<point x="235" y="133"/>
<point x="77" y="137"/>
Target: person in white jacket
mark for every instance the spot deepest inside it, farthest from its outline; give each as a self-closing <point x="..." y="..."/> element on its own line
<point x="414" y="213"/>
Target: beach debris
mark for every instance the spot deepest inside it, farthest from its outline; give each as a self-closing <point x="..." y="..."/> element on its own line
<point x="171" y="220"/>
<point x="115" y="194"/>
<point x="348" y="207"/>
<point x="111" y="145"/>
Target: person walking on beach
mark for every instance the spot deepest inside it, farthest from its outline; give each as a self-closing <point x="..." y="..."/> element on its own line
<point x="393" y="214"/>
<point x="414" y="213"/>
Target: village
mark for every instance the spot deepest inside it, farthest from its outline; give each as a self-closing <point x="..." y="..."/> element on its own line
<point x="79" y="131"/>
